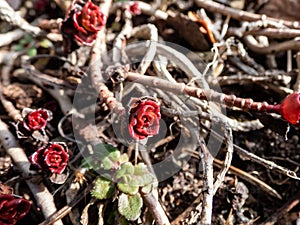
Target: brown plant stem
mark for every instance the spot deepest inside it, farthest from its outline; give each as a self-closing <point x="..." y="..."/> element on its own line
<point x="67" y="209"/>
<point x="253" y="45"/>
<point x="155" y="209"/>
<point x="209" y="95"/>
<point x="243" y="15"/>
<point x="96" y="64"/>
<point x="228" y="158"/>
<point x="268" y="32"/>
<point x="208" y="184"/>
<point x="264" y="162"/>
<point x="297" y="84"/>
<point x="249" y="178"/>
<point x="11" y="36"/>
<point x="144" y="7"/>
<point x="46" y="24"/>
<point x="42" y="196"/>
<point x="8" y="14"/>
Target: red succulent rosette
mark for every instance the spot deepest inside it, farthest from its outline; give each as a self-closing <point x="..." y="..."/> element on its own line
<point x="134" y="8"/>
<point x="52" y="157"/>
<point x="83" y="22"/>
<point x="144" y="118"/>
<point x="12" y="209"/>
<point x="36" y="119"/>
<point x="290" y="108"/>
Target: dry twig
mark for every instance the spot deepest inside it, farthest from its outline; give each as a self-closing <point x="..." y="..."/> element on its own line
<point x="8" y="14"/>
<point x="208" y="186"/>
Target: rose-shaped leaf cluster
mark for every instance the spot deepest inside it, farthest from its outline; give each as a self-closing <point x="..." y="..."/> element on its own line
<point x="134" y="8"/>
<point x="35" y="119"/>
<point x="12" y="209"/>
<point x="83" y="22"/>
<point x="51" y="158"/>
<point x="290" y="108"/>
<point x="144" y="118"/>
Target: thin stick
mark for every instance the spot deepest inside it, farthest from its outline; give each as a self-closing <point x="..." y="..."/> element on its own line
<point x="67" y="209"/>
<point x="209" y="95"/>
<point x="297" y="84"/>
<point x="96" y="65"/>
<point x="227" y="162"/>
<point x="266" y="163"/>
<point x="249" y="178"/>
<point x="243" y="15"/>
<point x="144" y="7"/>
<point x="42" y="196"/>
<point x="146" y="31"/>
<point x="208" y="186"/>
<point x="268" y="32"/>
<point x="272" y="48"/>
<point x="11" y="36"/>
<point x="119" y="42"/>
<point x="8" y="14"/>
<point x="156" y="209"/>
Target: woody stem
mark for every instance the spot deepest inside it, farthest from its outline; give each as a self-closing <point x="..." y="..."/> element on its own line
<point x="245" y="104"/>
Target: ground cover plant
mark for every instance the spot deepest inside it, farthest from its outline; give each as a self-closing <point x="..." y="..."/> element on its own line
<point x="149" y="112"/>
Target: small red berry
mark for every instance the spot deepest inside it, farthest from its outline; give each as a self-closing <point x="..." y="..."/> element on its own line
<point x="290" y="108"/>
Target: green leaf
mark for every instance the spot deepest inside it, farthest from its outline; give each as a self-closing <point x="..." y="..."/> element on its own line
<point x="109" y="155"/>
<point x="125" y="169"/>
<point x="142" y="176"/>
<point x="32" y="52"/>
<point x="130" y="177"/>
<point x="45" y="43"/>
<point x="18" y="47"/>
<point x="103" y="188"/>
<point x="123" y="158"/>
<point x="128" y="188"/>
<point x="85" y="163"/>
<point x="130" y="206"/>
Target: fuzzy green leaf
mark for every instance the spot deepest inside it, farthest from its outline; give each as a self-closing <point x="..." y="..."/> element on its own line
<point x="105" y="157"/>
<point x="103" y="188"/>
<point x="126" y="169"/>
<point x="142" y="175"/>
<point x="128" y="188"/>
<point x="130" y="206"/>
